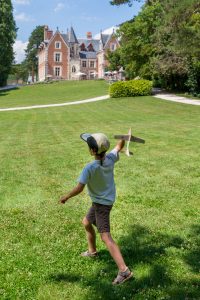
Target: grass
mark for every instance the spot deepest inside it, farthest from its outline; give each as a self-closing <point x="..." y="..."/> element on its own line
<point x="186" y="95"/>
<point x="155" y="219"/>
<point x="57" y="92"/>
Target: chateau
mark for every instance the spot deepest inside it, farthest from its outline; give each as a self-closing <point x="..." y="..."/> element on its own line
<point x="64" y="56"/>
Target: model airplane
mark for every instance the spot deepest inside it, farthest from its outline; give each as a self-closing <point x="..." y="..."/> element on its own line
<point x="129" y="138"/>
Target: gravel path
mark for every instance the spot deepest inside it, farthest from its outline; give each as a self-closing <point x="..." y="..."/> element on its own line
<point x="55" y="105"/>
<point x="174" y="98"/>
<point x="169" y="97"/>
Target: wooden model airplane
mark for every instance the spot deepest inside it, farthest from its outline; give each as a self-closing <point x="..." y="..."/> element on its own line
<point x="129" y="138"/>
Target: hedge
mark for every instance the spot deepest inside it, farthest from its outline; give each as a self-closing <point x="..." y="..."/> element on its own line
<point x="131" y="88"/>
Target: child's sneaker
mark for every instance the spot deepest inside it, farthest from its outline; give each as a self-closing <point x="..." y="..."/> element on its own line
<point x="89" y="254"/>
<point x="122" y="277"/>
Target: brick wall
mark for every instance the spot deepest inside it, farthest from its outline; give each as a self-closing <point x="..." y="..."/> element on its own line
<point x="64" y="52"/>
<point x="112" y="42"/>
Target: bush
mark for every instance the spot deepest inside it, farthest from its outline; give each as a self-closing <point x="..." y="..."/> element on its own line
<point x="131" y="88"/>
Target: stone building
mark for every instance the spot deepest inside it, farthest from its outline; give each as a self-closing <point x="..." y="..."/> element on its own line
<point x="63" y="56"/>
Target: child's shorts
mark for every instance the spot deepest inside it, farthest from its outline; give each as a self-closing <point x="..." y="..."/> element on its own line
<point x="99" y="215"/>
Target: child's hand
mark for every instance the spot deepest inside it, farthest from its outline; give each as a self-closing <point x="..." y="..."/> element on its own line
<point x="63" y="199"/>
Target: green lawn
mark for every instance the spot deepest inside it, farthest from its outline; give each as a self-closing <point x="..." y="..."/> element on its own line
<point x="56" y="92"/>
<point x="156" y="218"/>
<point x="186" y="95"/>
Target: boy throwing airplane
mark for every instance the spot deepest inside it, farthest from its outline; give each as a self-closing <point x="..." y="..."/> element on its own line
<point x="99" y="178"/>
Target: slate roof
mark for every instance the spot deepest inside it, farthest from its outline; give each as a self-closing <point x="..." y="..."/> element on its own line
<point x="65" y="37"/>
<point x="95" y="43"/>
<point x="72" y="36"/>
<point x="87" y="55"/>
<point x="104" y="38"/>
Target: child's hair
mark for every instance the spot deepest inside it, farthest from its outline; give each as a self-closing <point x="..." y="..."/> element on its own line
<point x="101" y="155"/>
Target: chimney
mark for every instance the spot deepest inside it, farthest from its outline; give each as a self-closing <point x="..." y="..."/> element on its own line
<point x="47" y="33"/>
<point x="89" y="35"/>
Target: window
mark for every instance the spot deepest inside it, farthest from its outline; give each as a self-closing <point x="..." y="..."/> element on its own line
<point x="57" y="57"/>
<point x="57" y="71"/>
<point x="73" y="69"/>
<point x="91" y="64"/>
<point x="90" y="47"/>
<point x="112" y="47"/>
<point x="84" y="63"/>
<point x="82" y="47"/>
<point x="58" y="45"/>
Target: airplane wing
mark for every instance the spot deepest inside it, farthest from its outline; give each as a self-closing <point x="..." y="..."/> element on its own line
<point x="137" y="140"/>
<point x="126" y="137"/>
<point x="122" y="137"/>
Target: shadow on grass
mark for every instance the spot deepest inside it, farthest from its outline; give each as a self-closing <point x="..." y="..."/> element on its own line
<point x="6" y="91"/>
<point x="64" y="277"/>
<point x="147" y="252"/>
<point x="192" y="258"/>
<point x="3" y="93"/>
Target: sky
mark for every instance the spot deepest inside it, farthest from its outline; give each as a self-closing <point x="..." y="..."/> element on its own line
<point x="82" y="15"/>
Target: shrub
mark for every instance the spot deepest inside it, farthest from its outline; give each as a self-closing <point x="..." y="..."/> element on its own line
<point x="131" y="88"/>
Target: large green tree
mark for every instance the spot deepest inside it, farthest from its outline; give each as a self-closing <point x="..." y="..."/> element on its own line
<point x="19" y="71"/>
<point x="35" y="39"/>
<point x="7" y="38"/>
<point x="129" y="2"/>
<point x="162" y="43"/>
<point x="177" y="43"/>
<point x="137" y="45"/>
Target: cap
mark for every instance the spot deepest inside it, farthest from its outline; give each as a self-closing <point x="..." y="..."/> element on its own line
<point x="99" y="141"/>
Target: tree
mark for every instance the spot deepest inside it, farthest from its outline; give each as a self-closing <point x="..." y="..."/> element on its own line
<point x="162" y="43"/>
<point x="177" y="43"/>
<point x="20" y="71"/>
<point x="7" y="38"/>
<point x="129" y="2"/>
<point x="137" y="41"/>
<point x="35" y="39"/>
<point x="114" y="58"/>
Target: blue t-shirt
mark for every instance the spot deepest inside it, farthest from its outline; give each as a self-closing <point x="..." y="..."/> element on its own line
<point x="100" y="179"/>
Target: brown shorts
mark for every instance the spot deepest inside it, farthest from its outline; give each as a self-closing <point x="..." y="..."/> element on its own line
<point x="99" y="215"/>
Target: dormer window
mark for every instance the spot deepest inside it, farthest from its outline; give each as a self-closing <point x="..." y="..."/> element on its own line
<point x="90" y="48"/>
<point x="83" y="47"/>
<point x="58" y="45"/>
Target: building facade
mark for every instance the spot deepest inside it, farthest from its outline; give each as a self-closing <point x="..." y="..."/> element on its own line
<point x="63" y="56"/>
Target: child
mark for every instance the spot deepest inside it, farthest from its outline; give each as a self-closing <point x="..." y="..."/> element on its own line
<point x="99" y="178"/>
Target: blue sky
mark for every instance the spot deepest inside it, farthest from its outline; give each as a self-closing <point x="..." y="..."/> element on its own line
<point x="83" y="15"/>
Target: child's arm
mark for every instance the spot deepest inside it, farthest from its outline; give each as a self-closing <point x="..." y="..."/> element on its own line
<point x="75" y="191"/>
<point x="120" y="145"/>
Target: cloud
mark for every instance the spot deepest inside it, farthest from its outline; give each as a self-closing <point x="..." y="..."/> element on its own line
<point x="19" y="49"/>
<point x="90" y="19"/>
<point x="107" y="31"/>
<point x="23" y="17"/>
<point x="22" y="2"/>
<point x="59" y="6"/>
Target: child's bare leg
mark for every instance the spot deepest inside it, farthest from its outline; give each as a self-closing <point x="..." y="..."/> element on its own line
<point x="91" y="235"/>
<point x="114" y="250"/>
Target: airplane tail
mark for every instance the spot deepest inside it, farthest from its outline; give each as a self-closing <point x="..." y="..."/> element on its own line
<point x="129" y="138"/>
<point x="127" y="152"/>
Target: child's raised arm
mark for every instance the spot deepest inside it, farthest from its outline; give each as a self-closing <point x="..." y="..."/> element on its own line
<point x="120" y="145"/>
<point x="75" y="191"/>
